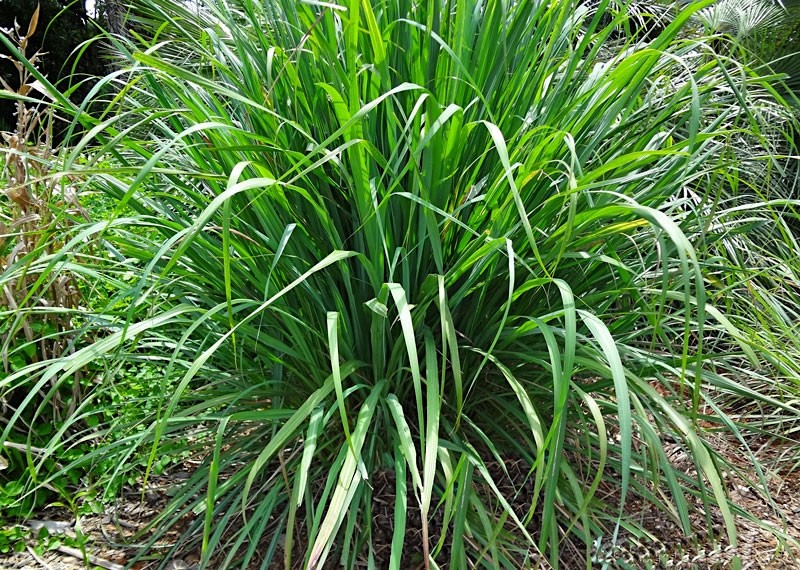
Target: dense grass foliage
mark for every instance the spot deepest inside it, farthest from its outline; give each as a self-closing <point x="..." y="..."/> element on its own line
<point x="438" y="241"/>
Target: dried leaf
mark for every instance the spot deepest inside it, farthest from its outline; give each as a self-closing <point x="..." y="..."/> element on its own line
<point x="33" y="23"/>
<point x="16" y="64"/>
<point x="38" y="86"/>
<point x="6" y="86"/>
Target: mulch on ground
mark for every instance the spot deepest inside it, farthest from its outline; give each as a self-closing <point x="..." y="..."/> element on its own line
<point x="767" y="539"/>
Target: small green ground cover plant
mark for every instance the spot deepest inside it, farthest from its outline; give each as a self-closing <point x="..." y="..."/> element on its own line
<point x="432" y="244"/>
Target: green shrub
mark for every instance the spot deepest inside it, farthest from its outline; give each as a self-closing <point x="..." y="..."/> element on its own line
<point x="406" y="250"/>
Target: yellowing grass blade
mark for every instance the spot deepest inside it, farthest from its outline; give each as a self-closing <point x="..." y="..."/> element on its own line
<point x="349" y="479"/>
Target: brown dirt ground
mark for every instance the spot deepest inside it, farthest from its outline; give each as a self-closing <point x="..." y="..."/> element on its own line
<point x="758" y="547"/>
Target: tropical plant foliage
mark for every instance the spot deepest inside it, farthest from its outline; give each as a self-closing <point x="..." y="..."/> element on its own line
<point x="436" y="241"/>
<point x="762" y="32"/>
<point x="742" y="19"/>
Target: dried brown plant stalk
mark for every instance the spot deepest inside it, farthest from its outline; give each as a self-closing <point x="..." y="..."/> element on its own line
<point x="33" y="224"/>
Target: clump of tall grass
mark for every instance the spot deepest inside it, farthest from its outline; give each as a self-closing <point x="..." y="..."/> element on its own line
<point x="430" y="240"/>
